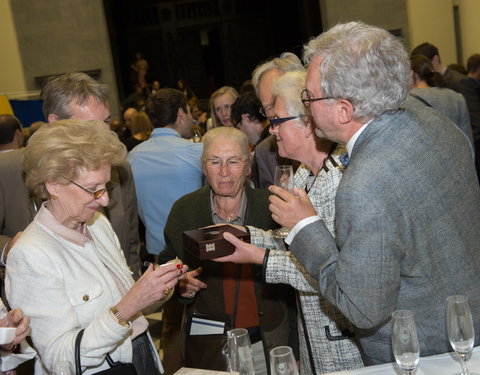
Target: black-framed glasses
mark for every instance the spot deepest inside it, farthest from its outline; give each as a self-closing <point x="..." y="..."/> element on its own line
<point x="95" y="194"/>
<point x="274" y="122"/>
<point x="307" y="99"/>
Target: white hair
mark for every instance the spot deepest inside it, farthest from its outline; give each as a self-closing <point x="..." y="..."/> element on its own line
<point x="286" y="62"/>
<point x="289" y="87"/>
<point x="364" y="64"/>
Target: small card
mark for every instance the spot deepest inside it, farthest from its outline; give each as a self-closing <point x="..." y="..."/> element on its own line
<point x="206" y="327"/>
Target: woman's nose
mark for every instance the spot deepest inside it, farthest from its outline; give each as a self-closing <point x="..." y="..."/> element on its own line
<point x="224" y="170"/>
<point x="104" y="199"/>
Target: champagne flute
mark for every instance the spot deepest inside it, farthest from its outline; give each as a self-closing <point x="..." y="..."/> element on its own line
<point x="460" y="329"/>
<point x="284" y="179"/>
<point x="282" y="361"/>
<point x="240" y="351"/>
<point x="405" y="341"/>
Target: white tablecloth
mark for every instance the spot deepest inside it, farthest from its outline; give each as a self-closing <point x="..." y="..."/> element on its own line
<point x="442" y="364"/>
<point x="196" y="371"/>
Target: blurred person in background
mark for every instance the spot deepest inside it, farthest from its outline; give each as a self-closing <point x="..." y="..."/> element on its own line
<point x="221" y="102"/>
<point x="141" y="128"/>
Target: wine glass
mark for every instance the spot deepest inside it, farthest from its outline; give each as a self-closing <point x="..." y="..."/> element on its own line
<point x="282" y="361"/>
<point x="240" y="351"/>
<point x="196" y="136"/>
<point x="284" y="179"/>
<point x="405" y="341"/>
<point x="460" y="329"/>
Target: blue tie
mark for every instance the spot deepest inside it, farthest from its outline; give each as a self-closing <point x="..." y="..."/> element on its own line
<point x="345" y="160"/>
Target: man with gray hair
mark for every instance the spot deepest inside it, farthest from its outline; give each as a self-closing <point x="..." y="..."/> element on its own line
<point x="72" y="95"/>
<point x="408" y="205"/>
<point x="266" y="156"/>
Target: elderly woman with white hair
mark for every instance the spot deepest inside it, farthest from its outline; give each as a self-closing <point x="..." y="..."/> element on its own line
<point x="67" y="271"/>
<point x="326" y="339"/>
<point x="210" y="289"/>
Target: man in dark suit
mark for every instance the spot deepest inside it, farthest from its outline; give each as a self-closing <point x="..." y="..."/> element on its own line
<point x="73" y="95"/>
<point x="407" y="208"/>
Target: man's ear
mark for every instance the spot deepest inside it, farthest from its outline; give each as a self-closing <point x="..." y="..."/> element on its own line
<point x="309" y="126"/>
<point x="52" y="117"/>
<point x="344" y="111"/>
<point x="436" y="62"/>
<point x="180" y="115"/>
<point x="246" y="117"/>
<point x="18" y="138"/>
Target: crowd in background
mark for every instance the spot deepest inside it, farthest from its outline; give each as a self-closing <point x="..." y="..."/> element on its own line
<point x="384" y="212"/>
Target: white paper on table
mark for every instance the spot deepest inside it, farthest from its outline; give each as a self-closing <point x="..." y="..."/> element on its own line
<point x="206" y="327"/>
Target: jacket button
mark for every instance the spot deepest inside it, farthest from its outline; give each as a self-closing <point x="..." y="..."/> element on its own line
<point x="261" y="313"/>
<point x="86" y="297"/>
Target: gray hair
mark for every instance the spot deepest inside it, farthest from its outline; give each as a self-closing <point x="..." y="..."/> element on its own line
<point x="364" y="64"/>
<point x="60" y="150"/>
<point x="286" y="62"/>
<point x="289" y="87"/>
<point x="60" y="91"/>
<point x="228" y="133"/>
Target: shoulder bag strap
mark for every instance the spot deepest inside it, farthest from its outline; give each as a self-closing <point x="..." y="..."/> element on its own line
<point x="421" y="99"/>
<point x="78" y="365"/>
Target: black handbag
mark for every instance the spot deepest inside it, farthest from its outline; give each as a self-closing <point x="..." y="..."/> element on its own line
<point x="116" y="368"/>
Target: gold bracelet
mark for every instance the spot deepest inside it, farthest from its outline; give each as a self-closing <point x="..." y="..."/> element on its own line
<point x="119" y="317"/>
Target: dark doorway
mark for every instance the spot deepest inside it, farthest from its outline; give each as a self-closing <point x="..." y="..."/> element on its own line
<point x="208" y="43"/>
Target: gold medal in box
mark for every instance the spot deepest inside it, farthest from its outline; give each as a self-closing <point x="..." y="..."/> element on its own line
<point x="207" y="243"/>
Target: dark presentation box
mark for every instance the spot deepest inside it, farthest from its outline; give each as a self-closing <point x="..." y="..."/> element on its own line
<point x="207" y="243"/>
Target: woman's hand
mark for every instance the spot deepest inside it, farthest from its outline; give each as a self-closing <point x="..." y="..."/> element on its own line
<point x="190" y="285"/>
<point x="15" y="318"/>
<point x="244" y="252"/>
<point x="155" y="284"/>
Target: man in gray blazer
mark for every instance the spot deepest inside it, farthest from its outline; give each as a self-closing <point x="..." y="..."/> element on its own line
<point x="408" y="205"/>
<point x="73" y="95"/>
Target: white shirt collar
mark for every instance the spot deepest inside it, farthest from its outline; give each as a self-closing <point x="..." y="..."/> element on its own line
<point x="351" y="141"/>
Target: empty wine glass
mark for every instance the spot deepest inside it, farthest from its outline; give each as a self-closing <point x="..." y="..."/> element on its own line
<point x="240" y="351"/>
<point x="460" y="329"/>
<point x="284" y="179"/>
<point x="405" y="341"/>
<point x="282" y="361"/>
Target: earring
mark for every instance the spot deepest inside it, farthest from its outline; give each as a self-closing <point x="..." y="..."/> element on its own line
<point x="53" y="196"/>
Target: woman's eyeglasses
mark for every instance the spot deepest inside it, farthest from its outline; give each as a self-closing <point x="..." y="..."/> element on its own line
<point x="95" y="194"/>
<point x="231" y="163"/>
<point x="274" y="122"/>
